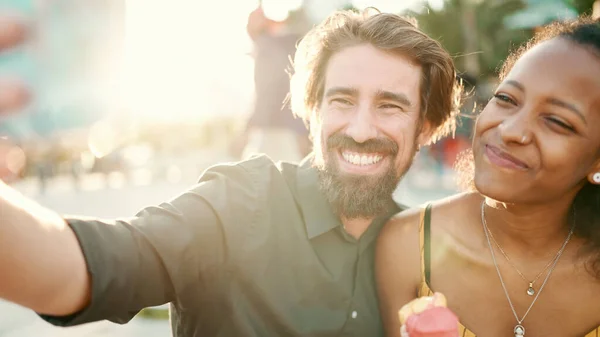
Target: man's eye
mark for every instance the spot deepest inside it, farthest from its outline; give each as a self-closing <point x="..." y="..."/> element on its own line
<point x="341" y="101"/>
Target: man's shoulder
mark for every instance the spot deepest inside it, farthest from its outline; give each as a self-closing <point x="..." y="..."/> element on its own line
<point x="238" y="191"/>
<point x="262" y="162"/>
<point x="255" y="163"/>
<point x="248" y="192"/>
<point x="264" y="166"/>
<point x="257" y="170"/>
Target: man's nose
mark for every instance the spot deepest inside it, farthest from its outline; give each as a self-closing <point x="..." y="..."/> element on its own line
<point x="361" y="127"/>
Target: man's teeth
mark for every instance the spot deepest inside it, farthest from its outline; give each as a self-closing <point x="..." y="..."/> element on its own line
<point x="361" y="159"/>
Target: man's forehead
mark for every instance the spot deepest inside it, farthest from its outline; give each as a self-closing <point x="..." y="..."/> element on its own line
<point x="364" y="67"/>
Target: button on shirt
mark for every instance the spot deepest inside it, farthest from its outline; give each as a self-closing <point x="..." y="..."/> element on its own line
<point x="253" y="249"/>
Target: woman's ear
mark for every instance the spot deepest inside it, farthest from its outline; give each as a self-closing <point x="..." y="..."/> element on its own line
<point x="594" y="175"/>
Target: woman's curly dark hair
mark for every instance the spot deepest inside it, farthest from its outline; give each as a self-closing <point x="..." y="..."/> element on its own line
<point x="584" y="32"/>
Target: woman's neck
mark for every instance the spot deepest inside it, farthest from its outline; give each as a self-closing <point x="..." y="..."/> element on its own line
<point x="529" y="230"/>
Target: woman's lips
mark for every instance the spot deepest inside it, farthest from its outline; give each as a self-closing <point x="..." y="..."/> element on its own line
<point x="504" y="159"/>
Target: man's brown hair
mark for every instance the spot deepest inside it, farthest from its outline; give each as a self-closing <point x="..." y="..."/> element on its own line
<point x="440" y="91"/>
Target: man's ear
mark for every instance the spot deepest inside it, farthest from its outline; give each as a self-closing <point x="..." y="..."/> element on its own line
<point x="425" y="133"/>
<point x="314" y="124"/>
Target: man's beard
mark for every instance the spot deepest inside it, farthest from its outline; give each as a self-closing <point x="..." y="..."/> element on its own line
<point x="359" y="196"/>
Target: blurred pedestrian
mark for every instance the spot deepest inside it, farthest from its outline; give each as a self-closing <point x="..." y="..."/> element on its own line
<point x="272" y="128"/>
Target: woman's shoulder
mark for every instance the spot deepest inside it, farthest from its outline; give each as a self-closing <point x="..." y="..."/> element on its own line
<point x="452" y="205"/>
<point x="405" y="225"/>
<point x="457" y="206"/>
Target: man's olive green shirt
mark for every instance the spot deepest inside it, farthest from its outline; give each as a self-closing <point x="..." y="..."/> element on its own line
<point x="253" y="249"/>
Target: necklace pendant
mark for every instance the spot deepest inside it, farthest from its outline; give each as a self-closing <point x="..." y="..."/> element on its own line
<point x="530" y="290"/>
<point x="519" y="330"/>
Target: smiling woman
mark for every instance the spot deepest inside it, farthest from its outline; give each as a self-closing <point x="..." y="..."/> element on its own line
<point x="524" y="243"/>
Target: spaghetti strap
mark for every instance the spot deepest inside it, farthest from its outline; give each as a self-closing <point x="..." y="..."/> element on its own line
<point x="425" y="244"/>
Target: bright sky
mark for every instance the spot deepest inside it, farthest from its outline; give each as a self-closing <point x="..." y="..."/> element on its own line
<point x="385" y="5"/>
<point x="188" y="58"/>
<point x="395" y="6"/>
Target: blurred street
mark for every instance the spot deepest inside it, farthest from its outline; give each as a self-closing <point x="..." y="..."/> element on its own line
<point x="116" y="197"/>
<point x="19" y="322"/>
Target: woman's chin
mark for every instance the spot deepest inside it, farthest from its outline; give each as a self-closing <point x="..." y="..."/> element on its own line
<point x="498" y="190"/>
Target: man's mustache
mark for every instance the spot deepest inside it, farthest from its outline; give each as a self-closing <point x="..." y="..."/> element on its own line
<point x="342" y="141"/>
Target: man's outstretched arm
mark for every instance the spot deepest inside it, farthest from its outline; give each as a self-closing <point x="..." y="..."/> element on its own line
<point x="81" y="270"/>
<point x="41" y="262"/>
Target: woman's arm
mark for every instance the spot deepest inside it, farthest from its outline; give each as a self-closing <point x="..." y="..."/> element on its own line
<point x="398" y="267"/>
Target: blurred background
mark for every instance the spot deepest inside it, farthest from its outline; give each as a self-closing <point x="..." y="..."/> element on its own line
<point x="133" y="99"/>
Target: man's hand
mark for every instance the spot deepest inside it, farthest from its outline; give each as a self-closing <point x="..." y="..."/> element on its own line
<point x="13" y="32"/>
<point x="42" y="266"/>
<point x="13" y="93"/>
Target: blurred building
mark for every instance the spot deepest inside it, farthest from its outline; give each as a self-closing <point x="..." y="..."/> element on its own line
<point x="71" y="63"/>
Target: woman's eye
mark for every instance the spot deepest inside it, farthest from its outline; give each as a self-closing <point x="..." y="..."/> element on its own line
<point x="561" y="124"/>
<point x="505" y="98"/>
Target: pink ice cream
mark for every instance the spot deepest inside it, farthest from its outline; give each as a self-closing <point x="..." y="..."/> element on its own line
<point x="433" y="322"/>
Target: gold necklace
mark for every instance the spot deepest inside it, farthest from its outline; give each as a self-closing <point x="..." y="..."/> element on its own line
<point x="530" y="290"/>
<point x="519" y="330"/>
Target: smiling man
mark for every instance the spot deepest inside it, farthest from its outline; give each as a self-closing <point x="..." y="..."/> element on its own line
<point x="258" y="248"/>
<point x="370" y="129"/>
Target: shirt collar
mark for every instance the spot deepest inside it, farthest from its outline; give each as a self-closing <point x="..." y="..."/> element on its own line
<point x="316" y="211"/>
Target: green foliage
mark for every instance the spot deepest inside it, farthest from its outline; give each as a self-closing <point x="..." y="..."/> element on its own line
<point x="493" y="41"/>
<point x="154" y="313"/>
<point x="349" y="7"/>
<point x="581" y="6"/>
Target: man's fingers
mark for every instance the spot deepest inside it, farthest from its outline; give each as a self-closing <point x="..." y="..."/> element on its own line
<point x="13" y="32"/>
<point x="14" y="95"/>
